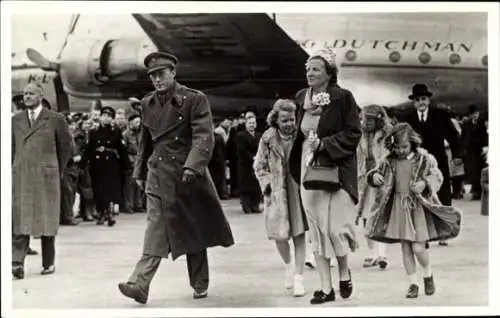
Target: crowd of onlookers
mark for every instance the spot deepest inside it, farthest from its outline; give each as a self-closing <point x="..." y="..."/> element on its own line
<point x="236" y="143"/>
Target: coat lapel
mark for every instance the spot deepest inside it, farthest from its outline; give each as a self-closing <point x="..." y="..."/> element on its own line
<point x="162" y="119"/>
<point x="275" y="145"/>
<point x="23" y="124"/>
<point x="40" y="122"/>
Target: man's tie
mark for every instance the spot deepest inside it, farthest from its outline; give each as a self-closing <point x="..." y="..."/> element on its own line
<point x="422" y="117"/>
<point x="31" y="113"/>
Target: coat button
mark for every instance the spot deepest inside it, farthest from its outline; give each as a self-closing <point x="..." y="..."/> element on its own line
<point x="176" y="138"/>
<point x="107" y="157"/>
<point x="180" y="117"/>
<point x="97" y="157"/>
<point x="173" y="157"/>
<point x="160" y="158"/>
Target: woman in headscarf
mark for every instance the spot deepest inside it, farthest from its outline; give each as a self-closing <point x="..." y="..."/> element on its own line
<point x="329" y="128"/>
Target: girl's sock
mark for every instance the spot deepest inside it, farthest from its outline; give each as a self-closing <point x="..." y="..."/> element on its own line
<point x="427" y="271"/>
<point x="413" y="278"/>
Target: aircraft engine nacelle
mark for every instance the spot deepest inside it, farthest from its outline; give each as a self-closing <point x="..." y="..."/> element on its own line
<point x="106" y="69"/>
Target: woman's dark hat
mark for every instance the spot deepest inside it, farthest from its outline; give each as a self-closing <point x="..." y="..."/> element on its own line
<point x="419" y="90"/>
<point x="133" y="116"/>
<point x="159" y="60"/>
<point x="473" y="108"/>
<point x="108" y="110"/>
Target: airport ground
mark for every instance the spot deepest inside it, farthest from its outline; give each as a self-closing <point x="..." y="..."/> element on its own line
<point x="91" y="260"/>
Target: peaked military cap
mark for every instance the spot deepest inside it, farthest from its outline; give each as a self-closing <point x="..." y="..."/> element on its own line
<point x="108" y="110"/>
<point x="159" y="60"/>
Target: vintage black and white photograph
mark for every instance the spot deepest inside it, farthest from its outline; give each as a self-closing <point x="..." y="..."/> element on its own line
<point x="207" y="157"/>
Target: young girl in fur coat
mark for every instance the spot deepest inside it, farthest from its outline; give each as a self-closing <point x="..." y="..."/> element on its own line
<point x="406" y="207"/>
<point x="375" y="126"/>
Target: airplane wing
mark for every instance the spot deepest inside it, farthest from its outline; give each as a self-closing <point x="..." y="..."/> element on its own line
<point x="248" y="53"/>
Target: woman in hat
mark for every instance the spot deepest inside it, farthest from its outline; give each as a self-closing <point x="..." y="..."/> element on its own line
<point x="108" y="161"/>
<point x="329" y="127"/>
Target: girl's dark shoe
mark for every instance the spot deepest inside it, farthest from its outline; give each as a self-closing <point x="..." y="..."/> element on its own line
<point x="320" y="297"/>
<point x="412" y="291"/>
<point x="346" y="287"/>
<point x="429" y="285"/>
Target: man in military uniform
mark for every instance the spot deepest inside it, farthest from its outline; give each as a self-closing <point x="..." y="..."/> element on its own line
<point x="184" y="213"/>
<point x="108" y="162"/>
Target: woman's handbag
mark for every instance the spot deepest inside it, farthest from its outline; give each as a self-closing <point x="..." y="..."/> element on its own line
<point x="319" y="177"/>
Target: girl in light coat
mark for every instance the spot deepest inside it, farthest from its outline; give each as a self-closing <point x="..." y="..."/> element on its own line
<point x="284" y="215"/>
<point x="375" y="126"/>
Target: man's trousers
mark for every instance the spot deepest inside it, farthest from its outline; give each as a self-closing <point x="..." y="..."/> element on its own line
<point x="20" y="246"/>
<point x="147" y="266"/>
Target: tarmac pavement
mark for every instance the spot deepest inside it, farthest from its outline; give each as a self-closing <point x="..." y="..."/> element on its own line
<point x="91" y="260"/>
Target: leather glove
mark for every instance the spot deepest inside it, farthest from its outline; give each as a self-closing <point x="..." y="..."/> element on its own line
<point x="188" y="176"/>
<point x="267" y="190"/>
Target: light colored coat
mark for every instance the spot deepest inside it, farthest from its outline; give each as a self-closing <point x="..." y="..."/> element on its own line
<point x="447" y="219"/>
<point x="366" y="196"/>
<point x="270" y="167"/>
<point x="39" y="155"/>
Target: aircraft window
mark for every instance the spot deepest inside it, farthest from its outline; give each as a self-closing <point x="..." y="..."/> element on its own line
<point x="485" y="60"/>
<point x="455" y="58"/>
<point x="424" y="57"/>
<point x="350" y="55"/>
<point x="395" y="57"/>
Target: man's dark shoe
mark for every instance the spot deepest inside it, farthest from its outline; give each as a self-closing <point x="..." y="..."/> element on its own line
<point x="199" y="295"/>
<point x="320" y="297"/>
<point x="18" y="272"/>
<point x="430" y="288"/>
<point x="31" y="251"/>
<point x="412" y="291"/>
<point x="48" y="270"/>
<point x="133" y="291"/>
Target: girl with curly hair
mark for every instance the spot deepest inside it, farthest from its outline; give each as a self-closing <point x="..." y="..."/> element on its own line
<point x="406" y="208"/>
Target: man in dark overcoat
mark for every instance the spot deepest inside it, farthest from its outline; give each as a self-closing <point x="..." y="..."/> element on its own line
<point x="184" y="212"/>
<point x="247" y="143"/>
<point x="474" y="139"/>
<point x="434" y="126"/>
<point x="41" y="148"/>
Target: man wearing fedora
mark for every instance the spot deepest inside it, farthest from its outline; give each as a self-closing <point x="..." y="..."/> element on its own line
<point x="434" y="126"/>
<point x="184" y="212"/>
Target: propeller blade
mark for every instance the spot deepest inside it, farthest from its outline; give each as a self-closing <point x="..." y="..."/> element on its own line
<point x="37" y="58"/>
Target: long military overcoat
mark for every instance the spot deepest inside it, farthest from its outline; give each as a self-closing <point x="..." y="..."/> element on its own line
<point x="39" y="155"/>
<point x="178" y="135"/>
